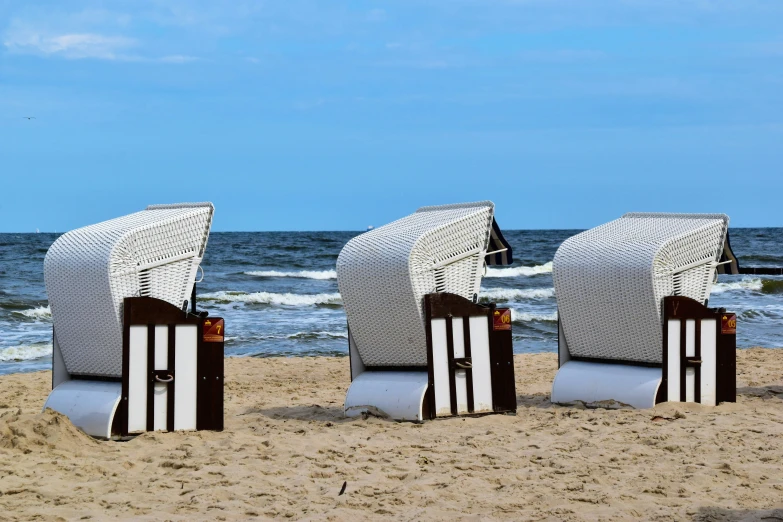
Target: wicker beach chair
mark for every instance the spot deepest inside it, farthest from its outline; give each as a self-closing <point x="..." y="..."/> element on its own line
<point x="622" y="289"/>
<point x="115" y="290"/>
<point x="397" y="284"/>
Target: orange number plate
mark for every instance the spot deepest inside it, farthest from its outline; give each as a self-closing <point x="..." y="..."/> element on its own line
<point x="213" y="330"/>
<point x="728" y="324"/>
<point x="502" y="319"/>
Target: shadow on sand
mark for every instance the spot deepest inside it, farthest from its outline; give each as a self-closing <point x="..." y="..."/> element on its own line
<point x="534" y="401"/>
<point x="313" y="412"/>
<point x="335" y="414"/>
<point x="765" y="392"/>
<point x="715" y="514"/>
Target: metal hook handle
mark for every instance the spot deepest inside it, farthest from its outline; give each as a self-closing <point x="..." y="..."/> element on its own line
<point x="170" y="378"/>
<point x="202" y="274"/>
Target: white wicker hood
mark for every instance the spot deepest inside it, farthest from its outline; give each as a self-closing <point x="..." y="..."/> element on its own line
<point x="384" y="274"/>
<point x="610" y="281"/>
<point x="90" y="270"/>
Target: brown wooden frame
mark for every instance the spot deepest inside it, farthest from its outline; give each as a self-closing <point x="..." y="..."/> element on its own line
<point x="151" y="312"/>
<point x="682" y="309"/>
<point x="501" y="354"/>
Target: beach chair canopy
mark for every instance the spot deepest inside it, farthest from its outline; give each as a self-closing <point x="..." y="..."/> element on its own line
<point x="610" y="281"/>
<point x="384" y="274"/>
<point x="89" y="271"/>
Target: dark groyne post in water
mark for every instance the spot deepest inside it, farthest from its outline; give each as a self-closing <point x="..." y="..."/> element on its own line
<point x="761" y="270"/>
<point x="729" y="264"/>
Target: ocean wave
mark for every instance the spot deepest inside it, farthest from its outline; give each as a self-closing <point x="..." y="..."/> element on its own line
<point x="514" y="294"/>
<point x="15" y="305"/>
<point x="307" y="336"/>
<point x="272" y="298"/>
<point x="763" y="258"/>
<point x="772" y="286"/>
<point x="754" y="284"/>
<point x="527" y="317"/>
<point x="42" y="312"/>
<point x="25" y="352"/>
<point x="314" y="351"/>
<point x="749" y="314"/>
<point x="304" y="274"/>
<point x="766" y="286"/>
<point x="264" y="338"/>
<point x="517" y="271"/>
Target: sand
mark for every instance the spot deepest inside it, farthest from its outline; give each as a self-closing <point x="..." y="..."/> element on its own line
<point x="287" y="451"/>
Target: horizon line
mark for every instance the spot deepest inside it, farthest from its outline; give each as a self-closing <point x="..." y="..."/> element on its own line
<point x="360" y="231"/>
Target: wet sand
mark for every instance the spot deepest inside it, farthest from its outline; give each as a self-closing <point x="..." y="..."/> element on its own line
<point x="287" y="450"/>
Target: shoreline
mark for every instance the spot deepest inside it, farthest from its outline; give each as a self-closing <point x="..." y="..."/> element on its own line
<point x="270" y="355"/>
<point x="287" y="450"/>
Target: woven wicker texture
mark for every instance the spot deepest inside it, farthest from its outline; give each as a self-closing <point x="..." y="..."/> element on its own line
<point x="384" y="275"/>
<point x="90" y="270"/>
<point x="610" y="281"/>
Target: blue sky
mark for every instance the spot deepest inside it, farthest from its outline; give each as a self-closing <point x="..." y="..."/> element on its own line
<point x="330" y="114"/>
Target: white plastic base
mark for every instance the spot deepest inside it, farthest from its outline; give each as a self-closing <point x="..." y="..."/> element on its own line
<point x="591" y="382"/>
<point x="397" y="395"/>
<point x="90" y="405"/>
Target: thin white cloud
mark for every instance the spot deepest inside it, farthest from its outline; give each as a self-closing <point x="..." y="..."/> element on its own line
<point x="309" y="105"/>
<point x="177" y="58"/>
<point x="71" y="45"/>
<point x="376" y="15"/>
<point x="773" y="48"/>
<point x="421" y="63"/>
<point x="561" y="55"/>
<point x="77" y="46"/>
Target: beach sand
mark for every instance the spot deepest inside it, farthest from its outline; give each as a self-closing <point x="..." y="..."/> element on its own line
<point x="287" y="450"/>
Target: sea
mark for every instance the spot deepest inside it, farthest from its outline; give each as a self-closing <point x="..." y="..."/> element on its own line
<point x="278" y="293"/>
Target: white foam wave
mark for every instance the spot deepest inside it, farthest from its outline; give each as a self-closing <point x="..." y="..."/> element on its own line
<point x="527" y="317"/>
<point x="42" y="312"/>
<point x="746" y="284"/>
<point x="272" y="298"/>
<point x="25" y="352"/>
<point x="512" y="294"/>
<point x="304" y="274"/>
<point x="517" y="271"/>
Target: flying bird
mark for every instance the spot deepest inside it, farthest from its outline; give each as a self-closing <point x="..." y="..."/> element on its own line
<point x="29" y="117"/>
